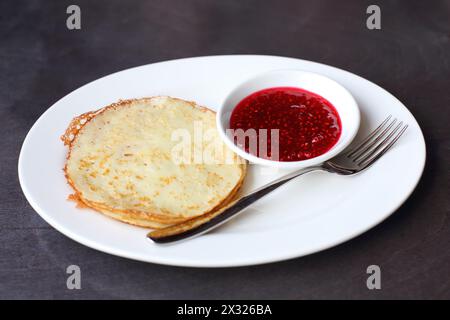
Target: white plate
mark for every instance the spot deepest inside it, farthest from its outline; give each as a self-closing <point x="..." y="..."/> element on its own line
<point x="315" y="212"/>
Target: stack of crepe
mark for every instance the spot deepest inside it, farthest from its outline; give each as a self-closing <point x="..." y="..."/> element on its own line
<point x="121" y="162"/>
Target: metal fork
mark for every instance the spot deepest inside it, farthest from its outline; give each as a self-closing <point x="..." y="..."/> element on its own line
<point x="351" y="161"/>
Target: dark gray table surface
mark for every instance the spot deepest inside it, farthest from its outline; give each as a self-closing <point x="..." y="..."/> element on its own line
<point x="41" y="61"/>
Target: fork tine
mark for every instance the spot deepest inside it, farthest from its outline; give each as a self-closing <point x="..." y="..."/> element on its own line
<point x="369" y="137"/>
<point x="369" y="161"/>
<point x="371" y="152"/>
<point x="369" y="145"/>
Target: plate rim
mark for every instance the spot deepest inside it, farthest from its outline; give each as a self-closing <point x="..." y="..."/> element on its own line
<point x="210" y="264"/>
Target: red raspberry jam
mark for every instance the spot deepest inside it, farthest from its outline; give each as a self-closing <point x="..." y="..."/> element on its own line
<point x="308" y="124"/>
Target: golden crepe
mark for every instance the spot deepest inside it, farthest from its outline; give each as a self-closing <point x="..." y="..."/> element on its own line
<point x="121" y="162"/>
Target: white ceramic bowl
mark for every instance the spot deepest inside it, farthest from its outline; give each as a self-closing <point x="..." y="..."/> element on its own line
<point x="329" y="89"/>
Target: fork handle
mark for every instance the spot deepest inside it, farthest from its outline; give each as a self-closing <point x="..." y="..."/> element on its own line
<point x="200" y="225"/>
